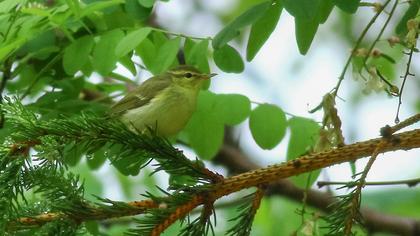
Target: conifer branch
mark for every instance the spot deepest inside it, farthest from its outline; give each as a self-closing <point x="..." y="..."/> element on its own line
<point x="162" y="212"/>
<point x="403" y="141"/>
<point x="375" y="221"/>
<point x="99" y="211"/>
<point x="179" y="212"/>
<point x="247" y="213"/>
<point x="351" y="204"/>
<point x="356" y="201"/>
<point x="202" y="225"/>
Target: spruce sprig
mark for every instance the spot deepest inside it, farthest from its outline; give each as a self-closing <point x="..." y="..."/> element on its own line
<point x="153" y="217"/>
<point x="245" y="217"/>
<point x="45" y="173"/>
<point x="341" y="211"/>
<point x="88" y="133"/>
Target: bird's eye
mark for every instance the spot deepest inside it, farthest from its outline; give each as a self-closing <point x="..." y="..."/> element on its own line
<point x="188" y="75"/>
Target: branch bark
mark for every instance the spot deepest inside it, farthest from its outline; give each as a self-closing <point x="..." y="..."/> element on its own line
<point x="237" y="162"/>
<point x="403" y="141"/>
<point x="273" y="175"/>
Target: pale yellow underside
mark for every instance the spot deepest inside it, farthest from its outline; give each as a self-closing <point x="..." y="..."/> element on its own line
<point x="167" y="113"/>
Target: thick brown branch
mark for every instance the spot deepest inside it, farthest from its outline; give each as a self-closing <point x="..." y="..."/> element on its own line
<point x="404" y="141"/>
<point x="237" y="162"/>
<point x="274" y="174"/>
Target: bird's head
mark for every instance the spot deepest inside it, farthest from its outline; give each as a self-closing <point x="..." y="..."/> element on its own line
<point x="188" y="76"/>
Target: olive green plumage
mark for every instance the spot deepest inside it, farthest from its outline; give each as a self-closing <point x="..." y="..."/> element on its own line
<point x="163" y="103"/>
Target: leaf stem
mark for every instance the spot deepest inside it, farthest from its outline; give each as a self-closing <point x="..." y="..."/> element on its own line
<point x="356" y="46"/>
<point x="379" y="35"/>
<point x="408" y="182"/>
<point x="181" y="35"/>
<point x="39" y="74"/>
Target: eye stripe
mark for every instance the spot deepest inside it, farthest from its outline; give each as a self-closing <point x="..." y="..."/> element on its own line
<point x="180" y="74"/>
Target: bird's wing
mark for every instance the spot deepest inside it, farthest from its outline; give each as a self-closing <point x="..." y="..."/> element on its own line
<point x="142" y="95"/>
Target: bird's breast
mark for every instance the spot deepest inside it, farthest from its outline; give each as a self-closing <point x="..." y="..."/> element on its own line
<point x="167" y="113"/>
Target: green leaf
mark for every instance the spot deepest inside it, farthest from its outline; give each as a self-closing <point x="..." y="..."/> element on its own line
<point x="98" y="6"/>
<point x="411" y="12"/>
<point x="74" y="7"/>
<point x="166" y="56"/>
<point x="110" y="88"/>
<point x="76" y="55"/>
<point x="158" y="38"/>
<point x="262" y="29"/>
<point x="126" y="163"/>
<point x="129" y="64"/>
<point x="87" y="69"/>
<point x="40" y="46"/>
<point x="7" y="49"/>
<point x="233" y="108"/>
<point x="92" y="227"/>
<point x="304" y="9"/>
<point x="188" y="45"/>
<point x="71" y="87"/>
<point x="349" y="6"/>
<point x="205" y="129"/>
<point x="97" y="159"/>
<point x="37" y="12"/>
<point x="268" y="125"/>
<point x="303" y="135"/>
<point x="325" y="10"/>
<point x="92" y="184"/>
<point x="131" y="41"/>
<point x="232" y="29"/>
<point x="7" y="5"/>
<point x="72" y="153"/>
<point x="147" y="3"/>
<point x="228" y="59"/>
<point x="305" y="33"/>
<point x="121" y="78"/>
<point x="147" y="52"/>
<point x="58" y="104"/>
<point x="104" y="59"/>
<point x="137" y="11"/>
<point x="197" y="54"/>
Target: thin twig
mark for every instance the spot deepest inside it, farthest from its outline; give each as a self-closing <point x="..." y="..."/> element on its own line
<point x="379" y="35"/>
<point x="355" y="206"/>
<point x="181" y="35"/>
<point x="40" y="73"/>
<point x="356" y="46"/>
<point x="407" y="73"/>
<point x="408" y="182"/>
<point x="361" y="182"/>
<point x="387" y="130"/>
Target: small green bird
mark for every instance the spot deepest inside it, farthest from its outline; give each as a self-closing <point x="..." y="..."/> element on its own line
<point x="164" y="103"/>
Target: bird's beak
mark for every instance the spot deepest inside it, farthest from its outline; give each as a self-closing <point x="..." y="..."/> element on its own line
<point x="209" y="76"/>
